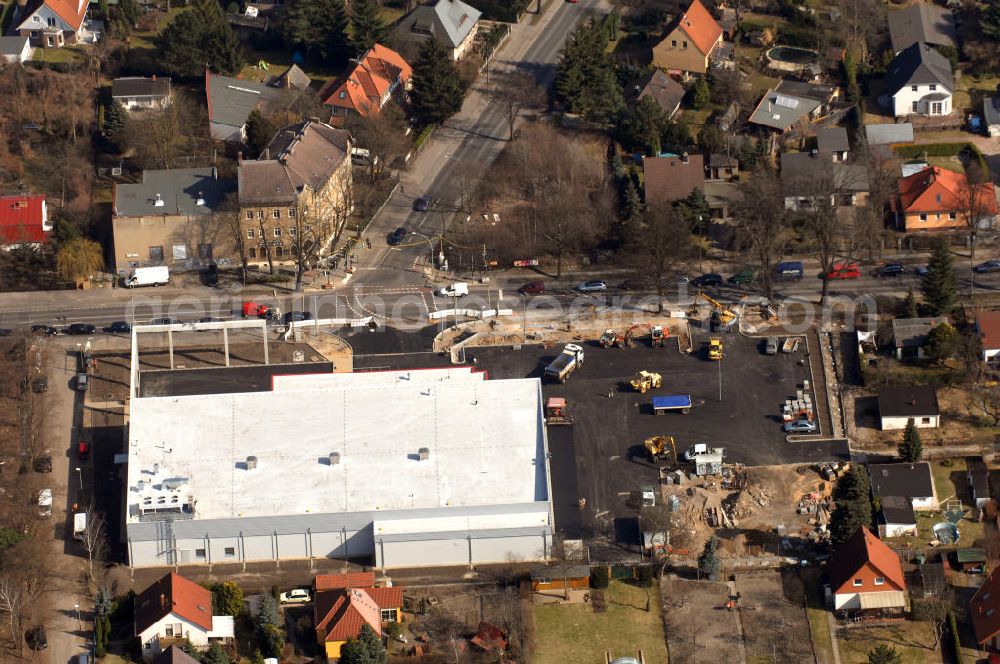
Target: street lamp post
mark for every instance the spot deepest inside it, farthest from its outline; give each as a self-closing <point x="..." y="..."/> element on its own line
<point x="79" y="623"/>
<point x="79" y="473"/>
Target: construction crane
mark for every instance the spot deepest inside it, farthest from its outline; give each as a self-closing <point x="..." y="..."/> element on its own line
<point x="661" y="448"/>
<point x="646" y="380"/>
<point x="722" y="316"/>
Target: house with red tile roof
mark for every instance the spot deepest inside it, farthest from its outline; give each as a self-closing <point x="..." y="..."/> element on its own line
<point x="53" y="23"/>
<point x="984" y="611"/>
<point x="866" y="578"/>
<point x="988" y="328"/>
<point x="174" y="609"/>
<point x="368" y="85"/>
<point x="935" y="199"/>
<point x="343" y="603"/>
<point x="690" y="42"/>
<point x="23" y="221"/>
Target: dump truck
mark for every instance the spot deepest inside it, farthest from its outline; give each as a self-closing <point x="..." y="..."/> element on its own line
<point x="565" y="363"/>
<point x="661" y="448"/>
<point x="673" y="402"/>
<point x="611" y="338"/>
<point x="646" y="380"/>
<point x="557" y="412"/>
<point x="657" y="337"/>
<point x="157" y="275"/>
<point x="715" y="348"/>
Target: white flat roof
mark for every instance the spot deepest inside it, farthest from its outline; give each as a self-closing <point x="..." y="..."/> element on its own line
<point x="369" y="378"/>
<point x="484" y="438"/>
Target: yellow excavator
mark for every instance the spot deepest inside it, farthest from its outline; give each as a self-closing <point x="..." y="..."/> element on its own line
<point x="722" y="316"/>
<point x="661" y="448"/>
<point x="646" y="380"/>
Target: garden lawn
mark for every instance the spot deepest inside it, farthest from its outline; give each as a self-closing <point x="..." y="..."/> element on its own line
<point x="912" y="640"/>
<point x="816" y="612"/>
<point x="574" y="633"/>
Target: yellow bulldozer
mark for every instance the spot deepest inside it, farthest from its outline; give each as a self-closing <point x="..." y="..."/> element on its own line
<point x="661" y="448"/>
<point x="715" y="348"/>
<point x="646" y="380"/>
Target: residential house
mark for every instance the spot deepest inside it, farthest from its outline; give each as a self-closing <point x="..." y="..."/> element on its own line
<point x="665" y="91"/>
<point x="722" y="197"/>
<point x="984" y="611"/>
<point x="909" y="335"/>
<point x="303" y="176"/>
<point x="343" y="603"/>
<point x="24" y="220"/>
<point x="670" y="179"/>
<point x="988" y="328"/>
<point x="793" y="103"/>
<point x="978" y="476"/>
<point x="918" y="82"/>
<point x="169" y="219"/>
<point x="991" y="116"/>
<point x="833" y="142"/>
<point x="141" y="93"/>
<point x="866" y="578"/>
<point x="921" y="22"/>
<point x="174" y="609"/>
<point x="902" y="489"/>
<point x="723" y="167"/>
<point x="899" y="404"/>
<point x="881" y="138"/>
<point x="53" y="23"/>
<point x="803" y="173"/>
<point x="174" y="655"/>
<point x="368" y="85"/>
<point x="232" y="100"/>
<point x="451" y="22"/>
<point x="936" y="198"/>
<point x="691" y="40"/>
<point x="560" y="577"/>
<point x="15" y="50"/>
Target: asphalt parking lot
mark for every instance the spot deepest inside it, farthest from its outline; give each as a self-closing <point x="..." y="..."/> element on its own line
<point x="601" y="457"/>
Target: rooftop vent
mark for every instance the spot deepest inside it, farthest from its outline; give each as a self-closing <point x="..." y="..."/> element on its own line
<point x="334" y="458"/>
<point x="174" y="483"/>
<point x="159" y="201"/>
<point x="201" y="199"/>
<point x="251" y="462"/>
<point x="423" y="454"/>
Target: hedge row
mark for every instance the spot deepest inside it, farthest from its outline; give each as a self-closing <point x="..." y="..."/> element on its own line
<point x="943" y="150"/>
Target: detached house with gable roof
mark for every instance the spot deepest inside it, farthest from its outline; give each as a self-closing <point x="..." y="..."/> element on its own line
<point x="174" y="609"/>
<point x="690" y="43"/>
<point x="918" y="81"/>
<point x="24" y="221"/>
<point x="368" y="86"/>
<point x="866" y="578"/>
<point x="984" y="611"/>
<point x="451" y="22"/>
<point x="921" y="22"/>
<point x="935" y="199"/>
<point x="345" y="602"/>
<point x="53" y="23"/>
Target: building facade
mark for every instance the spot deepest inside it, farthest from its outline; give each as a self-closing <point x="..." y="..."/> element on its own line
<point x="689" y="42"/>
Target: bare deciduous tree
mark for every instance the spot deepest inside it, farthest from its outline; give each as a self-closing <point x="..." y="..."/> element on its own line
<point x="763" y="224"/>
<point x="320" y="224"/>
<point x="227" y="219"/>
<point x="94" y="540"/>
<point x="511" y="93"/>
<point x="382" y="135"/>
<point x="976" y="203"/>
<point x="662" y="240"/>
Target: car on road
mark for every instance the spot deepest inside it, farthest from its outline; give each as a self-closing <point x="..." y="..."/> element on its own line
<point x="164" y="321"/>
<point x="695" y="450"/>
<point x="771" y="346"/>
<point x="889" y="270"/>
<point x="81" y="328"/>
<point x="40" y="385"/>
<point x="119" y="327"/>
<point x="800" y="426"/>
<point x="922" y="269"/>
<point x="710" y="279"/>
<point x="296" y="596"/>
<point x="844" y="271"/>
<point x="397" y="236"/>
<point x="43" y="464"/>
<point x="44" y="330"/>
<point x="209" y="319"/>
<point x="988" y="266"/>
<point x="82" y="381"/>
<point x="532" y="288"/>
<point x="458" y="289"/>
<point x="6" y="331"/>
<point x="742" y="278"/>
<point x="36" y="638"/>
<point x="592" y="287"/>
<point x="421" y="204"/>
<point x="297" y="316"/>
<point x="83" y="450"/>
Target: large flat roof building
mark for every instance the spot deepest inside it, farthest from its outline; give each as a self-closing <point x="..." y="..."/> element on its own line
<point x="404" y="468"/>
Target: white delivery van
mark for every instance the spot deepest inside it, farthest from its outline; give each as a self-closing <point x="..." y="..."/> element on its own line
<point x="459" y="289"/>
<point x="79" y="525"/>
<point x="157" y="275"/>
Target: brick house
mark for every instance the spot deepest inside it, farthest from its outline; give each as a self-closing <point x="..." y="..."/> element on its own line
<point x="345" y="602"/>
<point x="690" y="41"/>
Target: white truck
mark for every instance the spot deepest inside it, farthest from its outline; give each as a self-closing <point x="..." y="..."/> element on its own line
<point x="79" y="525"/>
<point x="565" y="363"/>
<point x="157" y="275"/>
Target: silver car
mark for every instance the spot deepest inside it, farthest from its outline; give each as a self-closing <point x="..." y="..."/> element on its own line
<point x="771" y="346"/>
<point x="800" y="426"/>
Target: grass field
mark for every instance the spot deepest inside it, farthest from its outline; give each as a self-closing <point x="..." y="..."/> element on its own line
<point x="819" y="625"/>
<point x="912" y="640"/>
<point x="574" y="633"/>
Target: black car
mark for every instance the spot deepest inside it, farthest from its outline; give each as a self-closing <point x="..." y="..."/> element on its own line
<point x="710" y="279"/>
<point x="209" y="319"/>
<point x="397" y="236"/>
<point x="164" y="321"/>
<point x="40" y="385"/>
<point x="422" y="203"/>
<point x="36" y="638"/>
<point x="890" y="270"/>
<point x="296" y="316"/>
<point x="81" y="328"/>
<point x="44" y="330"/>
<point x="988" y="266"/>
<point x="43" y="464"/>
<point x="119" y="327"/>
<point x="212" y="275"/>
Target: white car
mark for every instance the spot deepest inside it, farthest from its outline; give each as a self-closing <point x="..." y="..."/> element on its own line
<point x="45" y="502"/>
<point x="296" y="596"/>
<point x="459" y="289"/>
<point x="692" y="452"/>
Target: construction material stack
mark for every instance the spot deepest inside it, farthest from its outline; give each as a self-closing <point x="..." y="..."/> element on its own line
<point x="799" y="408"/>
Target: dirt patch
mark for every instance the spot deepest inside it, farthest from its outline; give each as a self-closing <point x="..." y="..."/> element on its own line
<point x="699" y="627"/>
<point x="772" y="611"/>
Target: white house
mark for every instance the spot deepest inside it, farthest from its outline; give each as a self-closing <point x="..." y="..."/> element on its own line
<point x="15" y="50"/>
<point x="174" y="609"/>
<point x="898" y="404"/>
<point x="53" y="23"/>
<point x="919" y="81"/>
<point x="902" y="490"/>
<point x="141" y="93"/>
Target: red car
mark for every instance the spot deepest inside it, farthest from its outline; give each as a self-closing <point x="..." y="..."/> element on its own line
<point x="533" y="288"/>
<point x="844" y="271"/>
<point x="254" y="310"/>
<point x="83" y="450"/>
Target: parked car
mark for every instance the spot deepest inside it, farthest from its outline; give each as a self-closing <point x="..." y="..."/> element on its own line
<point x="82" y="381"/>
<point x="164" y="321"/>
<point x="36" y="638"/>
<point x="844" y="271"/>
<point x="209" y="319"/>
<point x="119" y="327"/>
<point x="43" y="464"/>
<point x="40" y="385"/>
<point x="421" y="204"/>
<point x="83" y="450"/>
<point x="592" y="287"/>
<point x="45" y="502"/>
<point x="532" y="288"/>
<point x="296" y="596"/>
<point x="458" y="289"/>
<point x="922" y="269"/>
<point x="397" y="236"/>
<point x="212" y="275"/>
<point x="988" y="266"/>
<point x="44" y="330"/>
<point x="771" y="346"/>
<point x="742" y="278"/>
<point x="710" y="279"/>
<point x="889" y="270"/>
<point x="297" y="316"/>
<point x="81" y="328"/>
<point x="800" y="426"/>
<point x="6" y="331"/>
